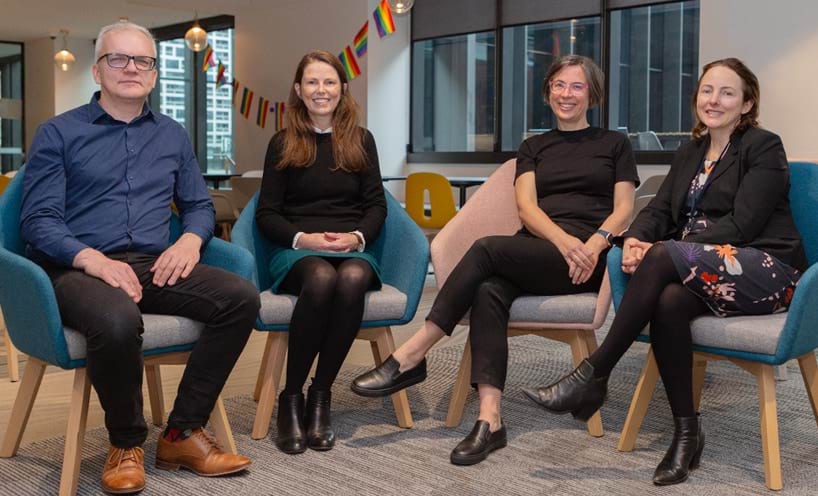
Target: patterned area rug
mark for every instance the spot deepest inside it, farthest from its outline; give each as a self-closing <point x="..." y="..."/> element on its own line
<point x="546" y="454"/>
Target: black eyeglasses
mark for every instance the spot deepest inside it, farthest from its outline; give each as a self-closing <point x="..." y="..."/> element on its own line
<point x="121" y="61"/>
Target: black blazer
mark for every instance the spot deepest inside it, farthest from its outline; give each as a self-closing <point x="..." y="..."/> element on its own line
<point x="746" y="204"/>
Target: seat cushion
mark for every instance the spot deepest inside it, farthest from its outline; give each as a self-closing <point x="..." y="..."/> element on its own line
<point x="386" y="304"/>
<point x="161" y="331"/>
<point x="747" y="333"/>
<point x="559" y="309"/>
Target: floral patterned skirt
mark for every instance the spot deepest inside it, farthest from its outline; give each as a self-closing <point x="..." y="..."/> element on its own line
<point x="732" y="280"/>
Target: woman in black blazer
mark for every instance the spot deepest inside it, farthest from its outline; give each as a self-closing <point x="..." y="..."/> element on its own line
<point x="719" y="236"/>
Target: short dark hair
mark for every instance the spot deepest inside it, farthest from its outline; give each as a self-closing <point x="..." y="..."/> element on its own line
<point x="593" y="74"/>
<point x="750" y="91"/>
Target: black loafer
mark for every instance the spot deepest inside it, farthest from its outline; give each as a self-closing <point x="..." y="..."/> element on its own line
<point x="386" y="379"/>
<point x="475" y="447"/>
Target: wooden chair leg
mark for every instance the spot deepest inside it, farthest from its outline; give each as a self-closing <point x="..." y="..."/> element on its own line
<point x="769" y="426"/>
<point x="268" y="343"/>
<point x="11" y="352"/>
<point x="383" y="346"/>
<point x="699" y="369"/>
<point x="639" y="404"/>
<point x="32" y="378"/>
<point x="579" y="352"/>
<point x="221" y="427"/>
<point x="153" y="378"/>
<point x="809" y="371"/>
<point x="273" y="363"/>
<point x="460" y="389"/>
<point x="75" y="433"/>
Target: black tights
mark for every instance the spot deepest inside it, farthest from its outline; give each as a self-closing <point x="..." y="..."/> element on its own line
<point x="326" y="317"/>
<point x="656" y="295"/>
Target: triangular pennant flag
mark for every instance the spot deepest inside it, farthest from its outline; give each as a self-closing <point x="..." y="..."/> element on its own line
<point x="208" y="59"/>
<point x="220" y="77"/>
<point x="235" y="89"/>
<point x="349" y="63"/>
<point x="383" y="19"/>
<point x="360" y="40"/>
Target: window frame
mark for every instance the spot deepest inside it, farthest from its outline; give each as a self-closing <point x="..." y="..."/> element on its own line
<point x="198" y="138"/>
<point x="23" y="149"/>
<point x="643" y="157"/>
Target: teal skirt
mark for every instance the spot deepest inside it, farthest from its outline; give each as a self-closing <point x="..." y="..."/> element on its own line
<point x="283" y="259"/>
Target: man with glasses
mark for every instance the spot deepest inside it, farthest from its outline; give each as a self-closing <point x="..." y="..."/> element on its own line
<point x="96" y="210"/>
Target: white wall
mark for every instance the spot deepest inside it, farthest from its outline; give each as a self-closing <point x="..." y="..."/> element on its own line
<point x="75" y="87"/>
<point x="270" y="41"/>
<point x="779" y="42"/>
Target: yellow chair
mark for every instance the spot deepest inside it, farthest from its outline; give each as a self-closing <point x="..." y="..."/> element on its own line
<point x="440" y="199"/>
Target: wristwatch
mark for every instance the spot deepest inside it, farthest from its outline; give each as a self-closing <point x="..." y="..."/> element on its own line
<point x="605" y="234"/>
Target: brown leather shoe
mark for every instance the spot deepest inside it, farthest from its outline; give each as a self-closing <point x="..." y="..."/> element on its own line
<point x="124" y="471"/>
<point x="200" y="454"/>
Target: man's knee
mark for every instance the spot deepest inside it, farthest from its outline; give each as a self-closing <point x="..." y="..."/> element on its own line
<point x="114" y="327"/>
<point x="241" y="293"/>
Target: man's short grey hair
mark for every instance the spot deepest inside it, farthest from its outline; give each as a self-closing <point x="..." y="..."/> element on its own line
<point x="121" y="26"/>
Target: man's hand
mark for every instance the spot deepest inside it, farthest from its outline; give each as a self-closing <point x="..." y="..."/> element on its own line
<point x="117" y="274"/>
<point x="177" y="261"/>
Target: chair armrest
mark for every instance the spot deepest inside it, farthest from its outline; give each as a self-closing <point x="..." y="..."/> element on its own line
<point x="230" y="257"/>
<point x="30" y="310"/>
<point x="619" y="280"/>
<point x="798" y="336"/>
<point x="403" y="253"/>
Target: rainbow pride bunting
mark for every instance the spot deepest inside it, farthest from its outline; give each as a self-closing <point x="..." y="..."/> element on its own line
<point x="220" y="79"/>
<point x="349" y="63"/>
<point x="246" y="102"/>
<point x="208" y="59"/>
<point x="235" y="89"/>
<point x="360" y="40"/>
<point x="278" y="110"/>
<point x="383" y="19"/>
<point x="263" y="109"/>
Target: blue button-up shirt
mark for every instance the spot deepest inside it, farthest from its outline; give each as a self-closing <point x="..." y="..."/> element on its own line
<point x="93" y="181"/>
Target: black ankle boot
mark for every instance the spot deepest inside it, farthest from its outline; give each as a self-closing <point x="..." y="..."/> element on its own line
<point x="320" y="435"/>
<point x="291" y="437"/>
<point x="579" y="392"/>
<point x="684" y="453"/>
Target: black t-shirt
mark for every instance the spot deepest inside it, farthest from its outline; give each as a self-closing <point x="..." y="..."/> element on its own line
<point x="575" y="173"/>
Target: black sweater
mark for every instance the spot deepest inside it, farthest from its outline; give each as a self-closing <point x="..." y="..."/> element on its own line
<point x="318" y="199"/>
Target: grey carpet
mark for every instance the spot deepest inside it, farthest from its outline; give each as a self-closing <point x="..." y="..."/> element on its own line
<point x="546" y="454"/>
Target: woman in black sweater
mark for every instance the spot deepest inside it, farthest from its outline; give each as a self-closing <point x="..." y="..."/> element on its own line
<point x="717" y="238"/>
<point x="321" y="203"/>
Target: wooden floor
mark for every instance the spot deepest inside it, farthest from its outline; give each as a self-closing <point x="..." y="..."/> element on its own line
<point x="50" y="413"/>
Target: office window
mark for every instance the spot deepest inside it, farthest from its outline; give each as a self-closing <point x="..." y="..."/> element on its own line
<point x="453" y="97"/>
<point x="11" y="106"/>
<point x="189" y="95"/>
<point x="461" y="104"/>
<point x="528" y="52"/>
<point x="653" y="70"/>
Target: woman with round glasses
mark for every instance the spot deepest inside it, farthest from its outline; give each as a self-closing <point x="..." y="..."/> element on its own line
<point x="718" y="237"/>
<point x="574" y="187"/>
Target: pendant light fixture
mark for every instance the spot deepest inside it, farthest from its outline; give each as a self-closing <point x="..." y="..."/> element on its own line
<point x="196" y="36"/>
<point x="401" y="7"/>
<point x="64" y="59"/>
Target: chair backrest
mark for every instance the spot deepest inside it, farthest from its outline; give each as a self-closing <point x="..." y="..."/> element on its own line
<point x="440" y="199"/>
<point x="649" y="141"/>
<point x="243" y="189"/>
<point x="804" y="204"/>
<point x="253" y="173"/>
<point x="639" y="203"/>
<point x="492" y="209"/>
<point x="650" y="186"/>
<point x="225" y="210"/>
<point x="10" y="204"/>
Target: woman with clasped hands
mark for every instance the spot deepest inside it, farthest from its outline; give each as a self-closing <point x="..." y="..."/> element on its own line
<point x="718" y="237"/>
<point x="574" y="186"/>
<point x="322" y="204"/>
